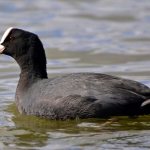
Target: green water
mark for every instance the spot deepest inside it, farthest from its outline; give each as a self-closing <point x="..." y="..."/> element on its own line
<point x="31" y="132"/>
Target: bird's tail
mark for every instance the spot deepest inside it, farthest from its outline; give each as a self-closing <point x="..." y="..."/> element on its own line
<point x="145" y="107"/>
<point x="145" y="103"/>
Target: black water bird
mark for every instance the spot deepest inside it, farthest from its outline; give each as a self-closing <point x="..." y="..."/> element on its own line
<point x="70" y="96"/>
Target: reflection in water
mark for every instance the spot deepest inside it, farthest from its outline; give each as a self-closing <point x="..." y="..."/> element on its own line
<point x="79" y="36"/>
<point x="30" y="131"/>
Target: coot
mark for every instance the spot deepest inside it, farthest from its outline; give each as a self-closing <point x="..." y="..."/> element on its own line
<point x="81" y="95"/>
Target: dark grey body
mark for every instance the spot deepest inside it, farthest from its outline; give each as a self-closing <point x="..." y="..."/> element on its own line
<point x="83" y="95"/>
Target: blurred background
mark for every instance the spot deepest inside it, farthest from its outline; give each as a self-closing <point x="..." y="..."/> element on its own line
<point x="105" y="36"/>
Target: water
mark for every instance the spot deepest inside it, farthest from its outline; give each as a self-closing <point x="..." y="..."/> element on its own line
<point x="105" y="36"/>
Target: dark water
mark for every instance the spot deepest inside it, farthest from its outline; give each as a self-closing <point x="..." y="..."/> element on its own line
<point x="109" y="36"/>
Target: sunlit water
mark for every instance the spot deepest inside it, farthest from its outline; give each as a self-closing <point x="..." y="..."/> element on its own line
<point x="108" y="36"/>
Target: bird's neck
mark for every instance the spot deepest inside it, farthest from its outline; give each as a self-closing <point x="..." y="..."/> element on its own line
<point x="29" y="75"/>
<point x="26" y="80"/>
<point x="32" y="70"/>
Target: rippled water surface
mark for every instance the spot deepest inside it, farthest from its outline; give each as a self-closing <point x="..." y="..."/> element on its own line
<point x="109" y="36"/>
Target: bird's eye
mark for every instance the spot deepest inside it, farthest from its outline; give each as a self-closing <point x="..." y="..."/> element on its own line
<point x="11" y="38"/>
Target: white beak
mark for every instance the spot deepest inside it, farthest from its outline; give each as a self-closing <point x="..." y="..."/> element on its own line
<point x="1" y="48"/>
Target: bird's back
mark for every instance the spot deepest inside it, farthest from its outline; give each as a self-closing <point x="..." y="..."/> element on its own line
<point x="84" y="95"/>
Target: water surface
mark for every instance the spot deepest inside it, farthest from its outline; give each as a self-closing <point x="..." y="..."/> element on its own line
<point x="105" y="36"/>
